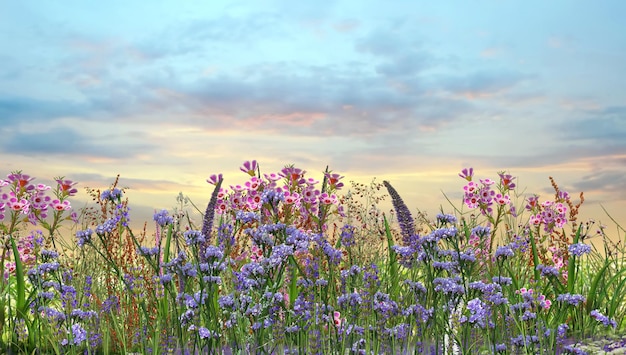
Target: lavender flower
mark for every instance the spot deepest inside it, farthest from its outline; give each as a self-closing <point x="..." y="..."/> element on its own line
<point x="112" y="195"/>
<point x="573" y="300"/>
<point x="573" y="349"/>
<point x="79" y="334"/>
<point x="548" y="271"/>
<point x="446" y="218"/>
<point x="448" y="285"/>
<point x="162" y="218"/>
<point x="84" y="237"/>
<point x="579" y="249"/>
<point x="347" y="235"/>
<point x="504" y="252"/>
<point x="194" y="237"/>
<point x="207" y="223"/>
<point x="405" y="219"/>
<point x="603" y="319"/>
<point x="479" y="313"/>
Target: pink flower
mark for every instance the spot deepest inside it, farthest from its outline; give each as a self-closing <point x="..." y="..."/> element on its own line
<point x="292" y="198"/>
<point x="214" y="179"/>
<point x="487" y="182"/>
<point x="337" y="319"/>
<point x="507" y="180"/>
<point x="66" y="187"/>
<point x="467" y="174"/>
<point x="18" y="205"/>
<point x="502" y="199"/>
<point x="60" y="206"/>
<point x="249" y="167"/>
<point x="272" y="177"/>
<point x="333" y="180"/>
<point x="327" y="199"/>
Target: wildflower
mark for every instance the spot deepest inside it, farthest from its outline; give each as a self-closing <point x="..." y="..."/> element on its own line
<point x="603" y="319"/>
<point x="207" y="223"/>
<point x="78" y="333"/>
<point x="573" y="300"/>
<point x="467" y="174"/>
<point x="502" y="280"/>
<point x="204" y="333"/>
<point x="114" y="194"/>
<point x="66" y="187"/>
<point x="333" y="181"/>
<point x="249" y="167"/>
<point x="337" y="319"/>
<point x="579" y="249"/>
<point x="194" y="237"/>
<point x="504" y="252"/>
<point x="402" y="214"/>
<point x="347" y="235"/>
<point x="573" y="349"/>
<point x="507" y="181"/>
<point x="448" y="285"/>
<point x="446" y="218"/>
<point x="548" y="270"/>
<point x="479" y="313"/>
<point x="162" y="218"/>
<point x="481" y="231"/>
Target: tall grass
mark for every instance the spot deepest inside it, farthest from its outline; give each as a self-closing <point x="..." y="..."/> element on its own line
<point x="280" y="265"/>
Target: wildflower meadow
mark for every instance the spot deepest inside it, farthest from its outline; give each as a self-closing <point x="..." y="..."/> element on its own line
<point x="298" y="263"/>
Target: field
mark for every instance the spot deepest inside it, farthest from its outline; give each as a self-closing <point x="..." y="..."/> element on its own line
<point x="289" y="263"/>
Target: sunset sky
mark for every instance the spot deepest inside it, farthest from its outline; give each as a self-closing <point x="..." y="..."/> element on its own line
<point x="166" y="93"/>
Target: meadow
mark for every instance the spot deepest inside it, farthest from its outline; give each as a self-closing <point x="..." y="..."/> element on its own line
<point x="298" y="263"/>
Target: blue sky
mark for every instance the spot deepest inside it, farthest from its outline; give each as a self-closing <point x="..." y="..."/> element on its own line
<point x="166" y="93"/>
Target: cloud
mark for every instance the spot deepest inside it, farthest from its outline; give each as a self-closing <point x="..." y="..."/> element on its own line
<point x="90" y="144"/>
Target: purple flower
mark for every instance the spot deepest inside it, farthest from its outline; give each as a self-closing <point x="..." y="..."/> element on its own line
<point x="110" y="303"/>
<point x="448" y="285"/>
<point x="145" y="251"/>
<point x="162" y="218"/>
<point x="548" y="271"/>
<point x="79" y="334"/>
<point x="603" y="319"/>
<point x="213" y="252"/>
<point x="502" y="280"/>
<point x="84" y="237"/>
<point x="574" y="300"/>
<point x="481" y="231"/>
<point x="480" y="313"/>
<point x="205" y="333"/>
<point x="194" y="237"/>
<point x="347" y="235"/>
<point x="573" y="349"/>
<point x="504" y="252"/>
<point x="207" y="223"/>
<point x="247" y="217"/>
<point x="112" y="195"/>
<point x="403" y="214"/>
<point x="446" y="218"/>
<point x="579" y="249"/>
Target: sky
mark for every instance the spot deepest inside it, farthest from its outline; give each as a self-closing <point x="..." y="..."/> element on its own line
<point x="166" y="93"/>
